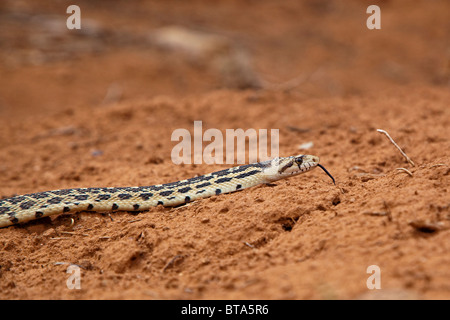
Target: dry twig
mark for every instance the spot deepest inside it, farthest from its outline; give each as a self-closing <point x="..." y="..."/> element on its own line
<point x="74" y="233"/>
<point x="405" y="170"/>
<point x="439" y="165"/>
<point x="375" y="213"/>
<point x="178" y="257"/>
<point x="386" y="212"/>
<point x="396" y="145"/>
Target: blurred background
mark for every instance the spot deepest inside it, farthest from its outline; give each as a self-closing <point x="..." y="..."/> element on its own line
<point x="140" y="49"/>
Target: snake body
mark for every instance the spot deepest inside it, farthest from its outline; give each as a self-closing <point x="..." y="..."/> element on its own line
<point x="32" y="206"/>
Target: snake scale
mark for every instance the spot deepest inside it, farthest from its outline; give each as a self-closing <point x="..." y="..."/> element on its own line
<point x="32" y="206"/>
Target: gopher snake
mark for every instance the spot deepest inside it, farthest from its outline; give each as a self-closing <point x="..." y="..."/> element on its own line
<point x="42" y="204"/>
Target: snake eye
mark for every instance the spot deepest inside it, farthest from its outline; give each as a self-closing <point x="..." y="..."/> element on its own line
<point x="299" y="160"/>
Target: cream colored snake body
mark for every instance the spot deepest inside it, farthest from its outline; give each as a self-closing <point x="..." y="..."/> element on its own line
<point x="32" y="206"/>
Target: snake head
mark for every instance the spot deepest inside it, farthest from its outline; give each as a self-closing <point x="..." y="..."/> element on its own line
<point x="290" y="166"/>
<point x="280" y="168"/>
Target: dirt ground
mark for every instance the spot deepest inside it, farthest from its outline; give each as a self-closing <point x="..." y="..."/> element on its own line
<point x="96" y="107"/>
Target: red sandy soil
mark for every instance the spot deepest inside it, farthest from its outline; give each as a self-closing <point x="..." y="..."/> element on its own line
<point x="98" y="109"/>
